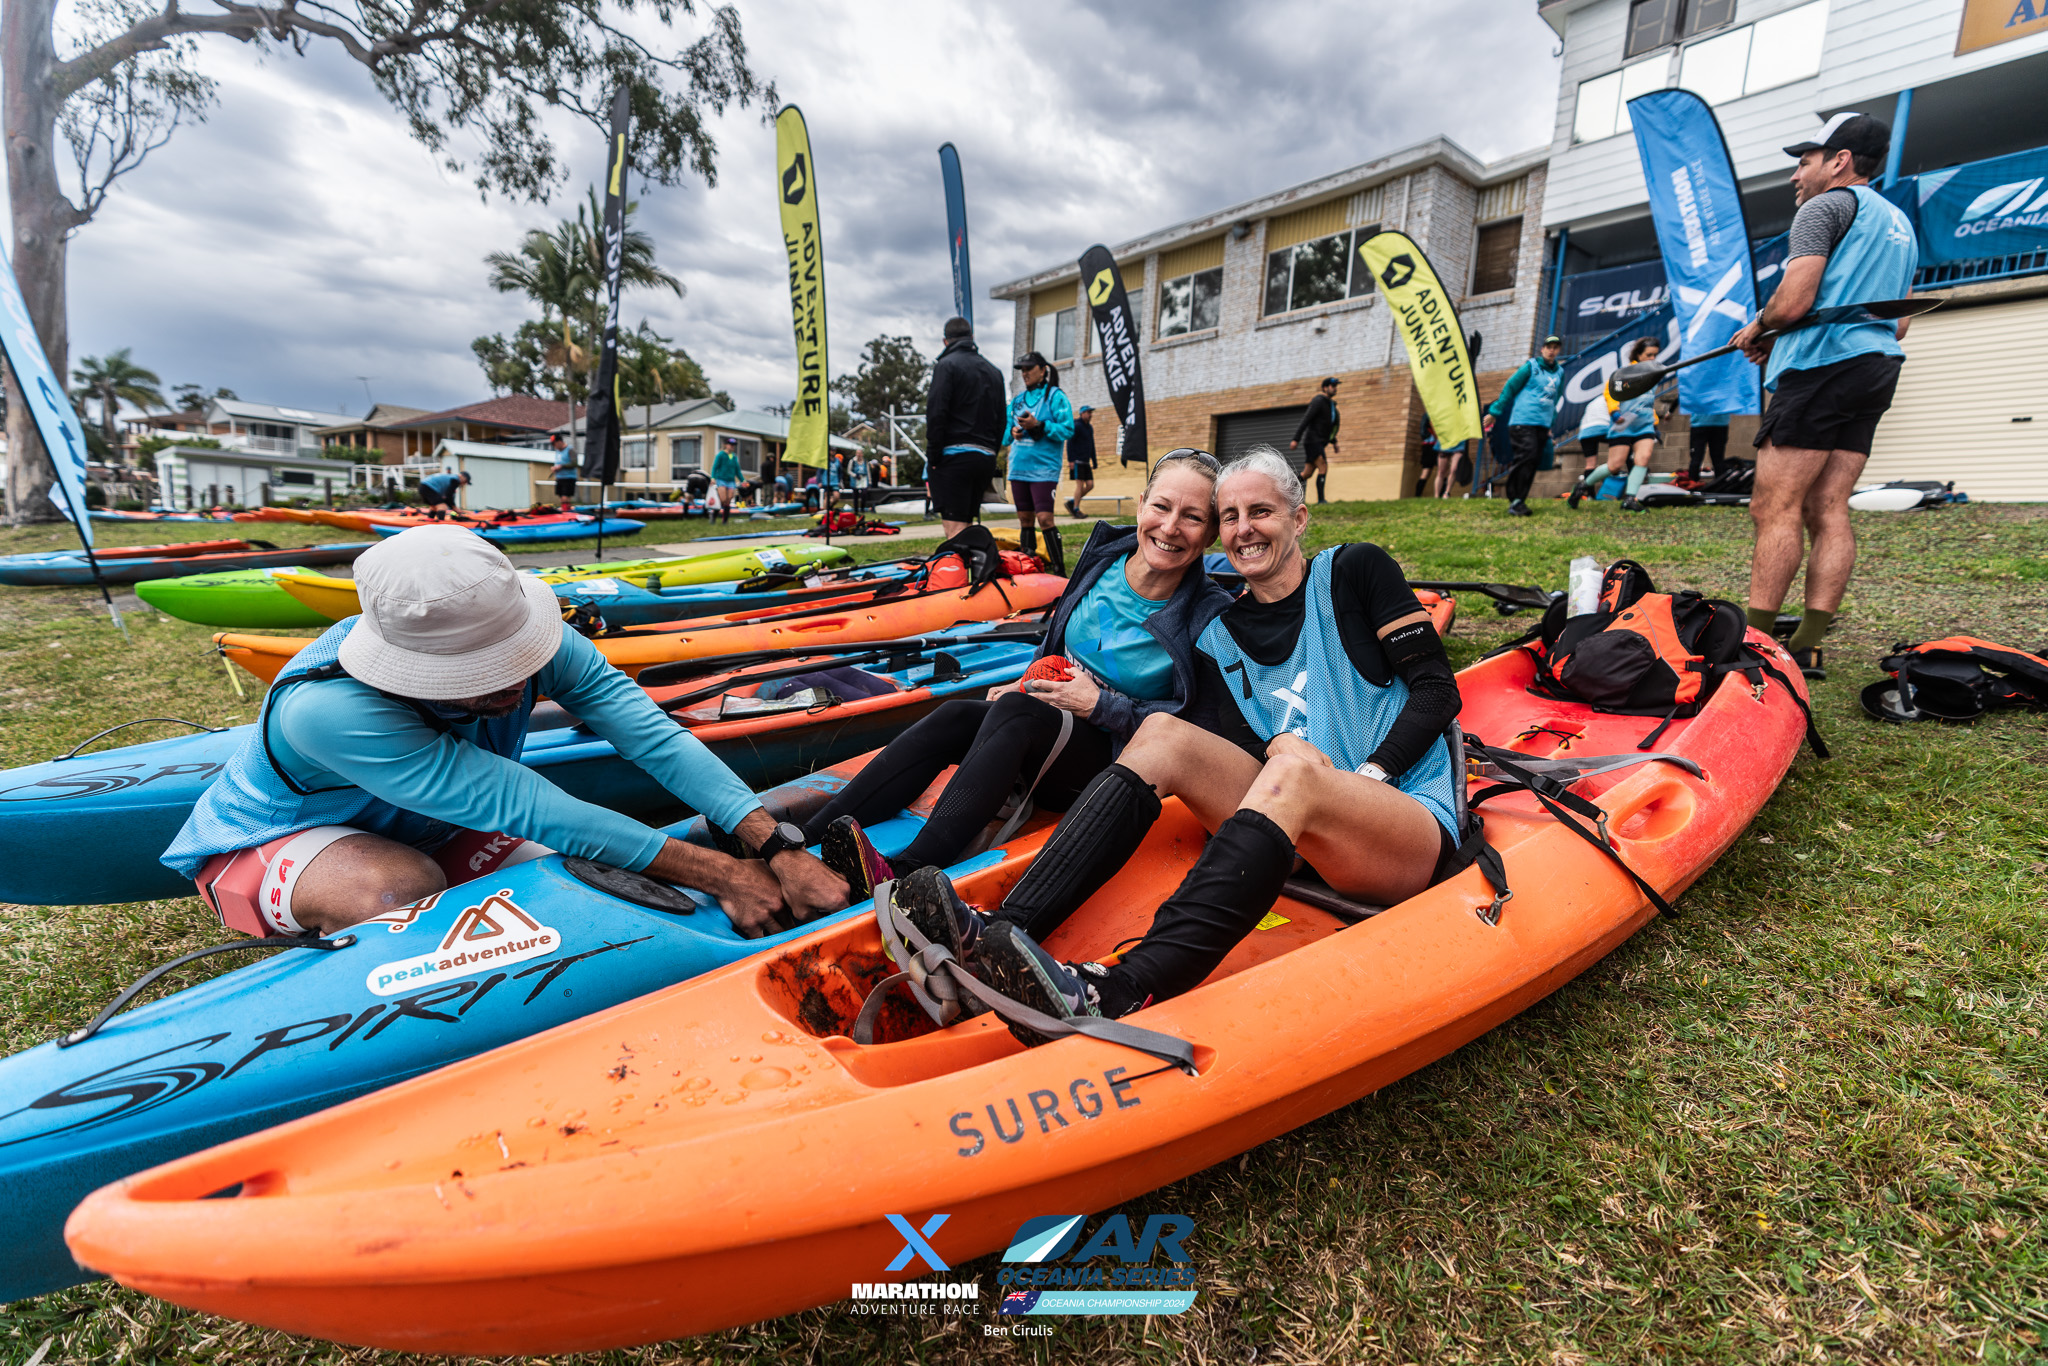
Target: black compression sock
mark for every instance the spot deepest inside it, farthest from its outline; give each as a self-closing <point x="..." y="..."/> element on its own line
<point x="1055" y="553"/>
<point x="1097" y="836"/>
<point x="1233" y="884"/>
<point x="1027" y="540"/>
<point x="1319" y="488"/>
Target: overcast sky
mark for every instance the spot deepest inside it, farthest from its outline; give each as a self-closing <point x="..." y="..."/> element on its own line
<point x="300" y="239"/>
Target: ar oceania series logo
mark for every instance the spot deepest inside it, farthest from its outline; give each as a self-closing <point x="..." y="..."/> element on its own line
<point x="1050" y="1268"/>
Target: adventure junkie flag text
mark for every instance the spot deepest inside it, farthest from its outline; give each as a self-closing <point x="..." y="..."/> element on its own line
<point x="797" y="194"/>
<point x="601" y="436"/>
<point x="1115" y="329"/>
<point x="1429" y="327"/>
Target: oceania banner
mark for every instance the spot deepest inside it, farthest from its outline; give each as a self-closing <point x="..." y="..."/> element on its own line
<point x="56" y="420"/>
<point x="1696" y="206"/>
<point x="1985" y="208"/>
<point x="956" y="232"/>
<point x="601" y="440"/>
<point x="1110" y="307"/>
<point x="1437" y="354"/>
<point x="797" y="192"/>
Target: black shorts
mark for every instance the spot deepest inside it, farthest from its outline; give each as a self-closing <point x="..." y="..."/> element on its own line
<point x="1313" y="454"/>
<point x="1831" y="407"/>
<point x="957" y="483"/>
<point x="565" y="487"/>
<point x="1081" y="473"/>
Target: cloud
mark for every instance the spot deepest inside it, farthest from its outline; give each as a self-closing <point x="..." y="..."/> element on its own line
<point x="300" y="238"/>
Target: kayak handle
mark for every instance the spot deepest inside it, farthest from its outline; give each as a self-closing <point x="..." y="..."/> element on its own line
<point x="113" y="1007"/>
<point x="140" y="721"/>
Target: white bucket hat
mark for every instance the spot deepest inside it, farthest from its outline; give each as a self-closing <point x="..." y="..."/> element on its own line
<point x="446" y="616"/>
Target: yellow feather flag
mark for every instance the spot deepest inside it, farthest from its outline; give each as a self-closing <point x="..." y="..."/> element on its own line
<point x="798" y="195"/>
<point x="1429" y="326"/>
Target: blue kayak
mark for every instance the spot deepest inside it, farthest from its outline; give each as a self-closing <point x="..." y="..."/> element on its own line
<point x="87" y="831"/>
<point x="70" y="568"/>
<point x="479" y="966"/>
<point x="536" y="533"/>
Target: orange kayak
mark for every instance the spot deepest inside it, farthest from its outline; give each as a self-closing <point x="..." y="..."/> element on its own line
<point x="850" y="620"/>
<point x="722" y="1151"/>
<point x="267" y="513"/>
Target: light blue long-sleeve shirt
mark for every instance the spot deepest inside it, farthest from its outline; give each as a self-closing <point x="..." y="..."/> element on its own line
<point x="372" y="762"/>
<point x="1039" y="458"/>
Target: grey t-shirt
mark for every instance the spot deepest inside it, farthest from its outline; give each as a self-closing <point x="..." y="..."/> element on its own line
<point x="1821" y="224"/>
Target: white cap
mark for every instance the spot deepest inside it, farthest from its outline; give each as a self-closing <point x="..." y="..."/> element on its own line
<point x="446" y="616"/>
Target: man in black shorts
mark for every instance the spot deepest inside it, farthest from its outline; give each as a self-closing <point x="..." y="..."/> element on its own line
<point x="1081" y="457"/>
<point x="1318" y="429"/>
<point x="964" y="416"/>
<point x="1829" y="385"/>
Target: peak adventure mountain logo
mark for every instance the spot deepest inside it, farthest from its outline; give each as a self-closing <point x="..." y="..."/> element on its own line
<point x="490" y="934"/>
<point x="796" y="181"/>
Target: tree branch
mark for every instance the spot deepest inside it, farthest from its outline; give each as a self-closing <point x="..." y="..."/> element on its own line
<point x="243" y="22"/>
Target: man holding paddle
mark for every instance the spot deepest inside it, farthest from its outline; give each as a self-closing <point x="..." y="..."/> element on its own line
<point x="1830" y="382"/>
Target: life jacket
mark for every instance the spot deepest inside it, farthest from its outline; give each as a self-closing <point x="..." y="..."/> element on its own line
<point x="1956" y="678"/>
<point x="1645" y="653"/>
<point x="850" y="524"/>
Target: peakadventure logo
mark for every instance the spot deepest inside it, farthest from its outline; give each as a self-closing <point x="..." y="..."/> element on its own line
<point x="1050" y="1268"/>
<point x="490" y="934"/>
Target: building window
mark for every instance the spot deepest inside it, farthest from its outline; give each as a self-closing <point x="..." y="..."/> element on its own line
<point x="1657" y="23"/>
<point x="1316" y="272"/>
<point x="1493" y="259"/>
<point x="1192" y="303"/>
<point x="1775" y="51"/>
<point x="633" y="453"/>
<point x="685" y="455"/>
<point x="1603" y="101"/>
<point x="1052" y="334"/>
<point x="750" y="456"/>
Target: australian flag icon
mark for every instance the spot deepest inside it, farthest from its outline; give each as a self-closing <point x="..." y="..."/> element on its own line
<point x="1019" y="1301"/>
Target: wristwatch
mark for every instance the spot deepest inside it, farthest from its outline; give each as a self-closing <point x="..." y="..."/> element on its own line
<point x="1373" y="771"/>
<point x="783" y="838"/>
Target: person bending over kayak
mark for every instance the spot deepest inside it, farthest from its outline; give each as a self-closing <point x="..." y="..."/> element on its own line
<point x="1325" y="695"/>
<point x="441" y="493"/>
<point x="1129" y="618"/>
<point x="384" y="765"/>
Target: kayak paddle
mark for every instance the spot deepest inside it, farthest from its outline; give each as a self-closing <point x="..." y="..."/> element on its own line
<point x="1632" y="381"/>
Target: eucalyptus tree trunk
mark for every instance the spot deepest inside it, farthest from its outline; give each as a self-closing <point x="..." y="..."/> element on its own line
<point x="42" y="219"/>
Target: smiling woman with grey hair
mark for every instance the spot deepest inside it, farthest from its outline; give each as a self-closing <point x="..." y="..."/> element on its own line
<point x="1318" y="731"/>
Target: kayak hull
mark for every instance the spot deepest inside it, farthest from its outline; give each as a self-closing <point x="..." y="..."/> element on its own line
<point x="78" y="573"/>
<point x="300" y="1031"/>
<point x="695" y="1198"/>
<point x="239" y="599"/>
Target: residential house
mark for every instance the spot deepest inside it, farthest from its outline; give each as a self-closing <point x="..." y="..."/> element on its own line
<point x="375" y="435"/>
<point x="267" y="429"/>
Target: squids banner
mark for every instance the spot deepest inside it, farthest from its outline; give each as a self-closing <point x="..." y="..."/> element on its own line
<point x="797" y="192"/>
<point x="956" y="232"/>
<point x="601" y="442"/>
<point x="1429" y="326"/>
<point x="1696" y="206"/>
<point x="1110" y="307"/>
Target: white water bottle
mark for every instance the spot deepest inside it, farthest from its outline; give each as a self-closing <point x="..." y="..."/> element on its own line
<point x="1583" y="597"/>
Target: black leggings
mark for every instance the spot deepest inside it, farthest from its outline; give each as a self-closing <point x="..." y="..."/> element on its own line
<point x="995" y="743"/>
<point x="1527" y="442"/>
<point x="1710" y="443"/>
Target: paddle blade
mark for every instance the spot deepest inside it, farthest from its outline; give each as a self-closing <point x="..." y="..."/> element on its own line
<point x="1633" y="381"/>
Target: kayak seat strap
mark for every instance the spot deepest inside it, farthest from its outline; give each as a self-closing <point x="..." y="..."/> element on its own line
<point x="113" y="1007"/>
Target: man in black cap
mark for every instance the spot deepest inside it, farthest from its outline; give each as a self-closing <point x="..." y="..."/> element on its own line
<point x="1318" y="429"/>
<point x="963" y="428"/>
<point x="1829" y="385"/>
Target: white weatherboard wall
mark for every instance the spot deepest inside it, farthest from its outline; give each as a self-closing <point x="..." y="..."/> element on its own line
<point x="1969" y="373"/>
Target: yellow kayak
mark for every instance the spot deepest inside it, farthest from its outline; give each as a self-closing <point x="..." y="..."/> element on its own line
<point x="335" y="598"/>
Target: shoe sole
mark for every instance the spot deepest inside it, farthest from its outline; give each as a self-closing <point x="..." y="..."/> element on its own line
<point x="847" y="855"/>
<point x="929" y="912"/>
<point x="1011" y="969"/>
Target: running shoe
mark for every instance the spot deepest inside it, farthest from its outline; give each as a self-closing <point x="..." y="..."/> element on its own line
<point x="1578" y="492"/>
<point x="927" y="900"/>
<point x="1518" y="508"/>
<point x="1073" y="507"/>
<point x="847" y="851"/>
<point x="1631" y="505"/>
<point x="1009" y="962"/>
<point x="727" y="843"/>
<point x="1812" y="662"/>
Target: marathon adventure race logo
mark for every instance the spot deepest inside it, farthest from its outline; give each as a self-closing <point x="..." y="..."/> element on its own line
<point x="917" y="1298"/>
<point x="490" y="934"/>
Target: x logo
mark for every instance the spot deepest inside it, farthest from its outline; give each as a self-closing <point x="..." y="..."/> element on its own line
<point x="915" y="1244"/>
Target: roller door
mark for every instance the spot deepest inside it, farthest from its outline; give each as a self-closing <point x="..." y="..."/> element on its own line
<point x="1237" y="433"/>
<point x="1972" y="405"/>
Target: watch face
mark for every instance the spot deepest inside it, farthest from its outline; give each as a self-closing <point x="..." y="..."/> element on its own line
<point x="794" y="834"/>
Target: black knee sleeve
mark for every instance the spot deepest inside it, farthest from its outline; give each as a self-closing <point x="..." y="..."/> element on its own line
<point x="1233" y="884"/>
<point x="1027" y="540"/>
<point x="1055" y="553"/>
<point x="1096" y="837"/>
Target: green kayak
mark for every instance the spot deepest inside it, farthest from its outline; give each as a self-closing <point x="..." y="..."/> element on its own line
<point x="239" y="599"/>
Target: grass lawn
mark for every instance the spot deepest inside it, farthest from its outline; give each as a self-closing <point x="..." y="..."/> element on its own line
<point x="1804" y="1121"/>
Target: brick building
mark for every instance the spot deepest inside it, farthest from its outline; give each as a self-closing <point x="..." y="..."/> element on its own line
<point x="1244" y="309"/>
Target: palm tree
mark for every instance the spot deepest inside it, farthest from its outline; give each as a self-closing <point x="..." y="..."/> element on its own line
<point x="562" y="271"/>
<point x="114" y="379"/>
